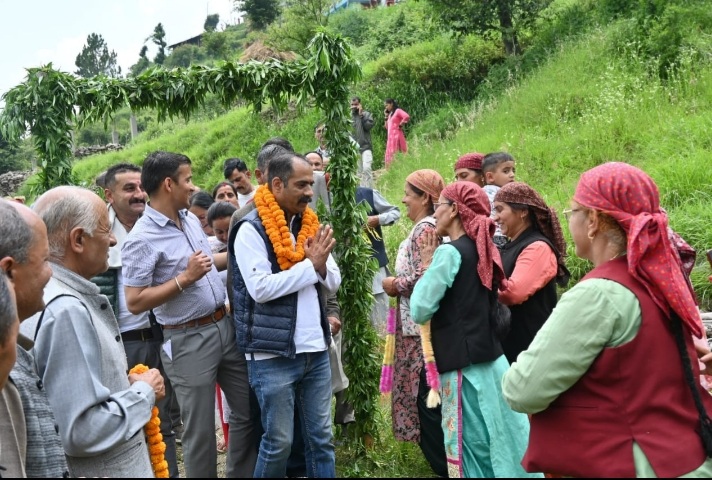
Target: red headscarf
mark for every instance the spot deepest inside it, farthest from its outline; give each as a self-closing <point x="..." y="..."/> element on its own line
<point x="630" y="196"/>
<point x="473" y="208"/>
<point x="545" y="218"/>
<point x="473" y="161"/>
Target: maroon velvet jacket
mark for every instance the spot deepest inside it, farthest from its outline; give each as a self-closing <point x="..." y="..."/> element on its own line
<point x="633" y="392"/>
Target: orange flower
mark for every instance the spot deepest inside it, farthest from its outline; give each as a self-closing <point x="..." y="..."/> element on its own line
<point x="275" y="223"/>
<point x="156" y="446"/>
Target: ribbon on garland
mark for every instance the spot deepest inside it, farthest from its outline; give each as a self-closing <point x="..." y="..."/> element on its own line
<point x="431" y="369"/>
<point x="389" y="353"/>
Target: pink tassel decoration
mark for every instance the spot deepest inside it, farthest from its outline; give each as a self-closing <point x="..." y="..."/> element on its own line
<point x="386" y="378"/>
<point x="432" y="376"/>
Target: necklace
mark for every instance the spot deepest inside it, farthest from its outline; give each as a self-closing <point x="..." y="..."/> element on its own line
<point x="619" y="254"/>
<point x="275" y="223"/>
<point x="126" y="226"/>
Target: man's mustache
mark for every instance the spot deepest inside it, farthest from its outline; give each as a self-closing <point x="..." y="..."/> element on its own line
<point x="137" y="200"/>
<point x="305" y="199"/>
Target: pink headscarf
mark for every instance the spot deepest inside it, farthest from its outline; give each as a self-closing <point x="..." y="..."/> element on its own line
<point x="473" y="208"/>
<point x="630" y="196"/>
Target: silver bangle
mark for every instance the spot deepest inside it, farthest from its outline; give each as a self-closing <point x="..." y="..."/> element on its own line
<point x="180" y="289"/>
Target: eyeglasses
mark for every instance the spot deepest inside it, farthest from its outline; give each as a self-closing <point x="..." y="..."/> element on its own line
<point x="569" y="211"/>
<point x="437" y="204"/>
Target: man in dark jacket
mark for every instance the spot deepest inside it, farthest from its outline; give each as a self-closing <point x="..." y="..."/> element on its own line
<point x="282" y="326"/>
<point x="363" y="122"/>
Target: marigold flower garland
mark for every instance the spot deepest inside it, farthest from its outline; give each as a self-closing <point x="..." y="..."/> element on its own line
<point x="154" y="438"/>
<point x="275" y="223"/>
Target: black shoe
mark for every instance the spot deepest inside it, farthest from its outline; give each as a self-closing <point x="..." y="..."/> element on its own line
<point x="178" y="432"/>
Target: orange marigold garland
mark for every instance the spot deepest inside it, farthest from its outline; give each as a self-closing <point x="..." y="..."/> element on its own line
<point x="154" y="438"/>
<point x="275" y="223"/>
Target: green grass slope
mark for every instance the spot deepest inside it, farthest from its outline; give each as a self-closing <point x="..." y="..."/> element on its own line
<point x="584" y="107"/>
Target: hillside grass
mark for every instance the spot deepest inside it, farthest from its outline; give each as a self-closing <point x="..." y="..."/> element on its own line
<point x="582" y="108"/>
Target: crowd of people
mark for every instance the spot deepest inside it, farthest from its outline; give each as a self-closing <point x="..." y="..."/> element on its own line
<point x="229" y="298"/>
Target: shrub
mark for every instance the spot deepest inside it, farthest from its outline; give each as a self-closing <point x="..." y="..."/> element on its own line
<point x="426" y="76"/>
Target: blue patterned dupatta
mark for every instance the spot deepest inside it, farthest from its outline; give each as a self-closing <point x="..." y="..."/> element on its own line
<point x="451" y="385"/>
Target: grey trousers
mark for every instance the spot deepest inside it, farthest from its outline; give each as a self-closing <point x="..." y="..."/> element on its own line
<point x="200" y="357"/>
<point x="149" y="353"/>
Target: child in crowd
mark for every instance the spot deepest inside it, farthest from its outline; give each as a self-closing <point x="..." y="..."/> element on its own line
<point x="498" y="168"/>
<point x="219" y="215"/>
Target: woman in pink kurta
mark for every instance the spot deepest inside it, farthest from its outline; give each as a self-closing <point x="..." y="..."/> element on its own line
<point x="395" y="118"/>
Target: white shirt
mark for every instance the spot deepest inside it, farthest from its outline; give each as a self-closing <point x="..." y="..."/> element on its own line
<point x="127" y="320"/>
<point x="243" y="199"/>
<point x="264" y="286"/>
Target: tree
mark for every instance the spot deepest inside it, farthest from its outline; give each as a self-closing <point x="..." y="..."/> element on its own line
<point x="158" y="38"/>
<point x="508" y="17"/>
<point x="299" y="22"/>
<point x="260" y="13"/>
<point x="142" y="64"/>
<point x="95" y="59"/>
<point x="211" y="22"/>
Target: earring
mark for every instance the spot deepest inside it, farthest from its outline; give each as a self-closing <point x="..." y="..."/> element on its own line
<point x="591" y="237"/>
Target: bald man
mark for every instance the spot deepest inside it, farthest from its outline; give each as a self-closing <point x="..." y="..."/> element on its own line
<point x="80" y="358"/>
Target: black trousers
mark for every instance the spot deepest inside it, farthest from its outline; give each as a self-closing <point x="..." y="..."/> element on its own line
<point x="432" y="438"/>
<point x="148" y="352"/>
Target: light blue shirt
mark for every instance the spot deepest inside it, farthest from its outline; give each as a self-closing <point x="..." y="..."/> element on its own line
<point x="156" y="251"/>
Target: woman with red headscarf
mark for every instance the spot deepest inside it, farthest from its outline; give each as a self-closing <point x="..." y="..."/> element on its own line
<point x="594" y="413"/>
<point x="458" y="294"/>
<point x="533" y="261"/>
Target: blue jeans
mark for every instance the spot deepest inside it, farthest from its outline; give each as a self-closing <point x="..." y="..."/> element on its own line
<point x="281" y="384"/>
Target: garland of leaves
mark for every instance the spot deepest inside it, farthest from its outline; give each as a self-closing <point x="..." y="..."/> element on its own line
<point x="49" y="104"/>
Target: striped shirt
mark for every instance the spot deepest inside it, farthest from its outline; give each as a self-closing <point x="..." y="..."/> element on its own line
<point x="156" y="251"/>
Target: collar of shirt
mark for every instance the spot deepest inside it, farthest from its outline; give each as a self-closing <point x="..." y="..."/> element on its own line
<point x="160" y="219"/>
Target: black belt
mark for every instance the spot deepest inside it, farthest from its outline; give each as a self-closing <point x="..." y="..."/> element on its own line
<point x="144" y="335"/>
